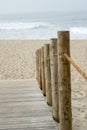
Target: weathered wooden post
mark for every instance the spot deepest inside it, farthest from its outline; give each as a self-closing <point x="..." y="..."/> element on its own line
<point x="43" y="72"/>
<point x="40" y="79"/>
<point x="54" y="79"/>
<point x="36" y="54"/>
<point x="48" y="74"/>
<point x="37" y="65"/>
<point x="64" y="81"/>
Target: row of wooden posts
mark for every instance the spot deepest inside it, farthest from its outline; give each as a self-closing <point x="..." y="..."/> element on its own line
<point x="54" y="78"/>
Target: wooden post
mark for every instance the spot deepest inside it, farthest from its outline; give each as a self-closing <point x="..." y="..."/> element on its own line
<point x="64" y="81"/>
<point x="48" y="74"/>
<point x="54" y="79"/>
<point x="40" y="82"/>
<point x="43" y="71"/>
<point x="38" y="66"/>
<point x="36" y="53"/>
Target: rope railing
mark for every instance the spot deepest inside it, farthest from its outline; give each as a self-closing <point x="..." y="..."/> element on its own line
<point x="76" y="66"/>
<point x="83" y="74"/>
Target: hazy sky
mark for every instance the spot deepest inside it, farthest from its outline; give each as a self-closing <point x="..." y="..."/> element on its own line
<point x="22" y="6"/>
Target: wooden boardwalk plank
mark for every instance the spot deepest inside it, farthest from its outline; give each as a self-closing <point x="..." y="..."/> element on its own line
<point x="23" y="107"/>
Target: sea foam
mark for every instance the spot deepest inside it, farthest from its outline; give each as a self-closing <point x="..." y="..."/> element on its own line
<point x="79" y="30"/>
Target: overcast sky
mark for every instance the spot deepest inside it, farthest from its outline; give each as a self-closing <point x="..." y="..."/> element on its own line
<point x="23" y="6"/>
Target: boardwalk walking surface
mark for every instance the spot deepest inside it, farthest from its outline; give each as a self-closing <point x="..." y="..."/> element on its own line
<point x="23" y="107"/>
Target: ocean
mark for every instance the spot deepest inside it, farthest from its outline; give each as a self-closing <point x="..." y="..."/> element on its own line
<point x="43" y="25"/>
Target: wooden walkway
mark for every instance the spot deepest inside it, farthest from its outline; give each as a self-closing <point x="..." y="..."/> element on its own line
<point x="23" y="107"/>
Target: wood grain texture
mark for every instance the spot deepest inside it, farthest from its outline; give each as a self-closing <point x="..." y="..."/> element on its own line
<point x="23" y="107"/>
<point x="54" y="79"/>
<point x="48" y="74"/>
<point x="64" y="81"/>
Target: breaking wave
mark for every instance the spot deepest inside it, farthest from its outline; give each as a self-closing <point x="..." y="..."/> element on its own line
<point x="23" y="25"/>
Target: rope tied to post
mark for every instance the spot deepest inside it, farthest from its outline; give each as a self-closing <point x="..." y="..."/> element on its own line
<point x="71" y="61"/>
<point x="76" y="66"/>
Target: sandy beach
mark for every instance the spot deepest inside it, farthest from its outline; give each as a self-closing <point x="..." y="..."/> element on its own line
<point x="17" y="61"/>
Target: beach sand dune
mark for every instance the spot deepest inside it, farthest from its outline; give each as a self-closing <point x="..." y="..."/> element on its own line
<point x="17" y="61"/>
